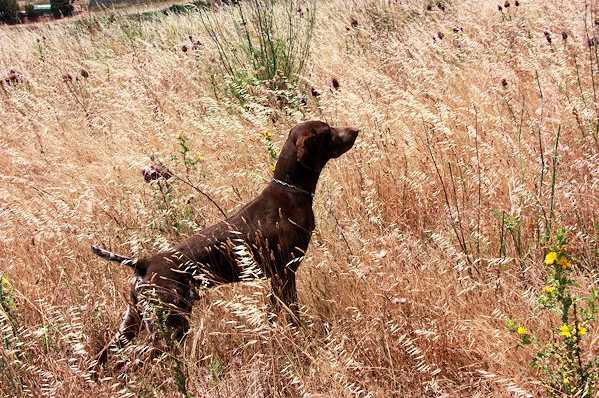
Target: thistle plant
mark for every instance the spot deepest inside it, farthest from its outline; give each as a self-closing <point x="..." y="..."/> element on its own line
<point x="564" y="361"/>
<point x="185" y="154"/>
<point x="175" y="212"/>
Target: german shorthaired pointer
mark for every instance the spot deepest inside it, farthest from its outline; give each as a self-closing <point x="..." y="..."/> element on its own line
<point x="268" y="238"/>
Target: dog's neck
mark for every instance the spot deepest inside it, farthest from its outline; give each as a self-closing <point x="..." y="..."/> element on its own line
<point x="292" y="172"/>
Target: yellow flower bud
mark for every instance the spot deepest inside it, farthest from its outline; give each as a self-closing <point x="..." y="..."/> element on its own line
<point x="565" y="331"/>
<point x="550" y="258"/>
<point x="563" y="262"/>
<point x="549" y="289"/>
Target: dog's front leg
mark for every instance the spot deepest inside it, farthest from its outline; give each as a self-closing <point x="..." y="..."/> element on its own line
<point x="128" y="329"/>
<point x="284" y="295"/>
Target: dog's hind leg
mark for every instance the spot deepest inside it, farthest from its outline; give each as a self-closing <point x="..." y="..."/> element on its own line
<point x="130" y="326"/>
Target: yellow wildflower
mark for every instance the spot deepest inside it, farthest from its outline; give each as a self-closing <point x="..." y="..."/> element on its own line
<point x="267" y="134"/>
<point x="582" y="331"/>
<point x="521" y="330"/>
<point x="563" y="261"/>
<point x="549" y="289"/>
<point x="5" y="282"/>
<point x="6" y="298"/>
<point x="565" y="331"/>
<point x="550" y="258"/>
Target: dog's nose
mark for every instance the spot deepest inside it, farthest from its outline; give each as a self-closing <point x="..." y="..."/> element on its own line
<point x="350" y="133"/>
<point x="353" y="132"/>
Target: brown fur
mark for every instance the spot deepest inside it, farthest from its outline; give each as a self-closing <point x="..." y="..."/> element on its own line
<point x="266" y="238"/>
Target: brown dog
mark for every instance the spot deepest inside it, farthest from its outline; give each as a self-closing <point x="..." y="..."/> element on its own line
<point x="266" y="238"/>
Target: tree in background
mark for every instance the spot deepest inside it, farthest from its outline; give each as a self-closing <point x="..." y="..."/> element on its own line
<point x="32" y="15"/>
<point x="61" y="8"/>
<point x="9" y="11"/>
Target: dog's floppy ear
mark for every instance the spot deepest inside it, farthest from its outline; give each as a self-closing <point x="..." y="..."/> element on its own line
<point x="306" y="145"/>
<point x="309" y="148"/>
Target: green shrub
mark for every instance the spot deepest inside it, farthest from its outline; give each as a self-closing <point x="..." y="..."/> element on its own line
<point x="9" y="10"/>
<point x="186" y="8"/>
<point x="270" y="43"/>
<point x="30" y="10"/>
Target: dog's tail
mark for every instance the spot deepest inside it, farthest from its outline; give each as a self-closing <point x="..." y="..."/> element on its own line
<point x="110" y="256"/>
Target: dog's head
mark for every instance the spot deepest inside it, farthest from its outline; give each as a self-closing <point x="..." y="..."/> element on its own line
<point x="316" y="142"/>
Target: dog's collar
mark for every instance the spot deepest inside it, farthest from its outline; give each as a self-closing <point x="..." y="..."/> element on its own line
<point x="287" y="185"/>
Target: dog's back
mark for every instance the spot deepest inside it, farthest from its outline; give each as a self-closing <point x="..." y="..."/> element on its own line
<point x="266" y="238"/>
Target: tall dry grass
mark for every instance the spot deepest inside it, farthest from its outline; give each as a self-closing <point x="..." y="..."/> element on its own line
<point x="430" y="231"/>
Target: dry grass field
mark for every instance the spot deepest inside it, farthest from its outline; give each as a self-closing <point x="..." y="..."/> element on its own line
<point x="479" y="139"/>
